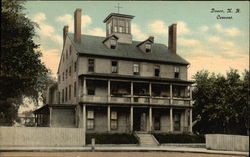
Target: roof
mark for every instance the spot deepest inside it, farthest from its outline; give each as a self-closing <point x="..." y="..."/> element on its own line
<point x="118" y="15"/>
<point x="93" y="45"/>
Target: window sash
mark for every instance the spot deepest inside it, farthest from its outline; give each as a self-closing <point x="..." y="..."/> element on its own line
<point x="90" y="114"/>
<point x="113" y="115"/>
<point x="113" y="124"/>
<point x="136" y="68"/>
<point x="90" y="124"/>
<point x="91" y="65"/>
<point x="177" y="69"/>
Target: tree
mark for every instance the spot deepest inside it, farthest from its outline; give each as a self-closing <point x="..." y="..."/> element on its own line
<point x="21" y="69"/>
<point x="220" y="103"/>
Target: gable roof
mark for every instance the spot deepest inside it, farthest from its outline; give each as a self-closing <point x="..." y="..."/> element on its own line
<point x="93" y="45"/>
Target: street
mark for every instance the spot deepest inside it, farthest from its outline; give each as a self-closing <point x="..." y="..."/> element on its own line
<point x="109" y="154"/>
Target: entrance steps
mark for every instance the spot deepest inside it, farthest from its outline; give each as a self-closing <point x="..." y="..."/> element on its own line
<point x="147" y="139"/>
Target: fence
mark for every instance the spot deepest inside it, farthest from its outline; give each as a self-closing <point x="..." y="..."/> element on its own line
<point x="227" y="142"/>
<point x="38" y="136"/>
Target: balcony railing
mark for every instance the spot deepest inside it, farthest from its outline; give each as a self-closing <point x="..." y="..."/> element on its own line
<point x="120" y="99"/>
<point x="137" y="100"/>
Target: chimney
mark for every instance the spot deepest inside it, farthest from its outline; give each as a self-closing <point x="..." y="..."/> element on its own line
<point x="172" y="37"/>
<point x="65" y="32"/>
<point x="151" y="38"/>
<point x="77" y="20"/>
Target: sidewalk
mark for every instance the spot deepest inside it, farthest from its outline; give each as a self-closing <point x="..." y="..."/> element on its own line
<point x="121" y="149"/>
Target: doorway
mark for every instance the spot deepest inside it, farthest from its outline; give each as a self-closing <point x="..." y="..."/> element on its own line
<point x="140" y="120"/>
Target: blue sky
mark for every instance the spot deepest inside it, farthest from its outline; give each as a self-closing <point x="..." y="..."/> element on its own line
<point x="205" y="41"/>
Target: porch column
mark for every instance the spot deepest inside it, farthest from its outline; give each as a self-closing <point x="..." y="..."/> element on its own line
<point x="109" y="94"/>
<point x="132" y="92"/>
<point x="84" y="117"/>
<point x="50" y="116"/>
<point x="84" y="88"/>
<point x="190" y="95"/>
<point x="190" y="121"/>
<point x="150" y="119"/>
<point x="171" y="119"/>
<point x="131" y="118"/>
<point x="171" y="94"/>
<point x="150" y="92"/>
<point x="108" y="118"/>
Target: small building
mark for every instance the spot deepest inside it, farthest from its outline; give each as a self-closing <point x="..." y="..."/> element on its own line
<point x="118" y="85"/>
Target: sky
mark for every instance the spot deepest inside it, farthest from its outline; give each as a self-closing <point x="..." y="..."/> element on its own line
<point x="205" y="41"/>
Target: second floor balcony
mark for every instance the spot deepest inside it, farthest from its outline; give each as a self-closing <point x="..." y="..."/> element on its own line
<point x="134" y="92"/>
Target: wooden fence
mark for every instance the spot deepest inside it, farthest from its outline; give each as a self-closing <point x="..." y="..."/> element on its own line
<point x="41" y="136"/>
<point x="227" y="142"/>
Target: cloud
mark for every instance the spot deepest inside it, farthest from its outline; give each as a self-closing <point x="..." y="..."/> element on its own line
<point x="217" y="64"/>
<point x="188" y="42"/>
<point x="97" y="32"/>
<point x="204" y="28"/>
<point x="215" y="39"/>
<point x="158" y="27"/>
<point x="227" y="31"/>
<point x="182" y="28"/>
<point x="46" y="31"/>
<point x="137" y="33"/>
<point x="68" y="19"/>
<point x="51" y="58"/>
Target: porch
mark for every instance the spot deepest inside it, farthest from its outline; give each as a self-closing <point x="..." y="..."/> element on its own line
<point x="96" y="118"/>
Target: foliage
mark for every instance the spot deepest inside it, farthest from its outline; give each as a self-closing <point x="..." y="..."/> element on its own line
<point x="220" y="103"/>
<point x="116" y="138"/>
<point x="22" y="73"/>
<point x="179" y="138"/>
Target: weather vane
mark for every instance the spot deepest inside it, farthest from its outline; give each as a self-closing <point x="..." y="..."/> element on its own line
<point x="118" y="7"/>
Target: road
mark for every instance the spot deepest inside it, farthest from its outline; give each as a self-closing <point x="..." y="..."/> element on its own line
<point x="109" y="154"/>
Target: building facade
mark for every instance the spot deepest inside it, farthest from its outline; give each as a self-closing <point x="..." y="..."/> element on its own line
<point x="115" y="84"/>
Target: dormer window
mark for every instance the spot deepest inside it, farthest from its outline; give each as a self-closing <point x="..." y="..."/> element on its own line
<point x="113" y="43"/>
<point x="148" y="47"/>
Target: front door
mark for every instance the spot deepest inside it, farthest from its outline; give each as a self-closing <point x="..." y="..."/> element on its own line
<point x="140" y="120"/>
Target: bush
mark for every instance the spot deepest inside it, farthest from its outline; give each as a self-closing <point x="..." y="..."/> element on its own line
<point x="179" y="138"/>
<point x="108" y="138"/>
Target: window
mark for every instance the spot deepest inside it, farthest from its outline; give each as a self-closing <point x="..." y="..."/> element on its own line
<point x="114" y="67"/>
<point x="157" y="122"/>
<point x="91" y="91"/>
<point x="59" y="97"/>
<point x="75" y="66"/>
<point x="70" y="71"/>
<point x="148" y="47"/>
<point x="126" y="27"/>
<point x="90" y="119"/>
<point x="157" y="70"/>
<point x="177" y="122"/>
<point x="91" y="67"/>
<point x="75" y="89"/>
<point x="120" y="29"/>
<point x="109" y="28"/>
<point x="66" y="74"/>
<point x="113" y="120"/>
<point x="63" y="95"/>
<point x="70" y="49"/>
<point x="59" y="78"/>
<point x="66" y="94"/>
<point x="113" y="43"/>
<point x="69" y="92"/>
<point x="176" y="72"/>
<point x="136" y="69"/>
<point x="63" y="76"/>
<point x="115" y="28"/>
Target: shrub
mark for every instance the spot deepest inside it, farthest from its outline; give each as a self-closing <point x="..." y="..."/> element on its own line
<point x="179" y="138"/>
<point x="109" y="138"/>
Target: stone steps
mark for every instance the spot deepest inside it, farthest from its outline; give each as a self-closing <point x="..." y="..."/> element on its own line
<point x="147" y="139"/>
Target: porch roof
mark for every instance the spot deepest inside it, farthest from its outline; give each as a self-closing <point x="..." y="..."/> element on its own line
<point x="46" y="107"/>
<point x="133" y="77"/>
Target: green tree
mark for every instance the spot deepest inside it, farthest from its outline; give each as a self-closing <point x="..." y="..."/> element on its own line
<point x="220" y="103"/>
<point x="21" y="71"/>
